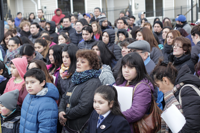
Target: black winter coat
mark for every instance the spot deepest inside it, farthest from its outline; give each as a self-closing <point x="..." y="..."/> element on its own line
<point x="77" y="103"/>
<point x="167" y="50"/>
<point x="70" y="30"/>
<point x="76" y="38"/>
<point x="115" y="49"/>
<point x="87" y="44"/>
<point x="63" y="84"/>
<point x="116" y="68"/>
<point x="190" y="100"/>
<point x="3" y="86"/>
<point x="195" y="52"/>
<point x="52" y="31"/>
<point x="33" y="38"/>
<point x="24" y="33"/>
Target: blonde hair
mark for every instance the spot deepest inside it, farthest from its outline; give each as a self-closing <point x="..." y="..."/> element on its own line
<point x="24" y="23"/>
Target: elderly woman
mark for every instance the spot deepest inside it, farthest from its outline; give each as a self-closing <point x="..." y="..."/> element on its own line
<point x="25" y="29"/>
<point x="77" y="103"/>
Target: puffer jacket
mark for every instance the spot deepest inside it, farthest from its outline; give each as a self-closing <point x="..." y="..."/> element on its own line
<point x="156" y="54"/>
<point x="195" y="52"/>
<point x="115" y="49"/>
<point x="52" y="31"/>
<point x="76" y="38"/>
<point x="86" y="44"/>
<point x="106" y="76"/>
<point x="39" y="113"/>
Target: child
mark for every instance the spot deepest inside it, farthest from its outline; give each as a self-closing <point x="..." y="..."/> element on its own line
<point x="4" y="77"/>
<point x="107" y="116"/>
<point x="10" y="114"/>
<point x="39" y="113"/>
<point x="18" y="69"/>
<point x="42" y="47"/>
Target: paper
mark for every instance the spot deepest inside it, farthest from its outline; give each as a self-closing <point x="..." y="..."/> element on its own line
<point x="125" y="95"/>
<point x="173" y="118"/>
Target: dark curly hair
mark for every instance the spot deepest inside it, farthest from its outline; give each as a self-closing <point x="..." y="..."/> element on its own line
<point x="91" y="56"/>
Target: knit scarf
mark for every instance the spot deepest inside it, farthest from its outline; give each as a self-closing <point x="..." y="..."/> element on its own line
<point x="64" y="72"/>
<point x="169" y="100"/>
<point x="80" y="77"/>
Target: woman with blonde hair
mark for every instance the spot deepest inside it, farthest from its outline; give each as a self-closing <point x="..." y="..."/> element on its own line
<point x="25" y="28"/>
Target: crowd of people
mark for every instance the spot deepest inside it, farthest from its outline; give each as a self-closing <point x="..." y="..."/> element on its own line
<point x="60" y="76"/>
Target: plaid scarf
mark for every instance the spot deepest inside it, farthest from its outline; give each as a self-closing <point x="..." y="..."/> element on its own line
<point x="169" y="100"/>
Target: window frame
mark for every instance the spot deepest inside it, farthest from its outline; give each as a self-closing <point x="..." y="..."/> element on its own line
<point x="154" y="9"/>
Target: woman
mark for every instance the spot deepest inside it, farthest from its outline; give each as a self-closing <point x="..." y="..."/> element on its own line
<point x="75" y="112"/>
<point x="133" y="74"/>
<point x="49" y="40"/>
<point x="96" y="30"/>
<point x="143" y="21"/>
<point x="171" y="82"/>
<point x="147" y="35"/>
<point x="171" y="35"/>
<point x="122" y="34"/>
<point x="108" y="38"/>
<point x="63" y="38"/>
<point x="31" y="17"/>
<point x="25" y="29"/>
<point x="67" y="68"/>
<point x="148" y="25"/>
<point x="6" y="38"/>
<point x="42" y="47"/>
<point x="181" y="53"/>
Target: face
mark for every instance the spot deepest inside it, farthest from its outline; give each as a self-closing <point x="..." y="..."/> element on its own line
<point x="87" y="18"/>
<point x="170" y="39"/>
<point x="125" y="51"/>
<point x="78" y="27"/>
<point x="19" y="16"/>
<point x="48" y="27"/>
<point x="82" y="64"/>
<point x="4" y="111"/>
<point x="121" y="37"/>
<point x="66" y="59"/>
<point x="39" y="48"/>
<point x="121" y="15"/>
<point x="120" y="24"/>
<point x="32" y="65"/>
<point x="12" y="46"/>
<point x="86" y="35"/>
<point x="58" y="13"/>
<point x="42" y="24"/>
<point x="97" y="12"/>
<point x="66" y="22"/>
<point x="26" y="28"/>
<point x="10" y="23"/>
<point x="51" y="57"/>
<point x="101" y="105"/>
<point x="105" y="23"/>
<point x="40" y="14"/>
<point x="31" y="16"/>
<point x="61" y="39"/>
<point x="195" y="38"/>
<point x="164" y="34"/>
<point x="129" y="73"/>
<point x="142" y="16"/>
<point x="96" y="49"/>
<point x="7" y="39"/>
<point x="33" y="86"/>
<point x="144" y="55"/>
<point x="157" y="28"/>
<point x="91" y="15"/>
<point x="132" y="21"/>
<point x="105" y="38"/>
<point x="94" y="28"/>
<point x="30" y="58"/>
<point x="14" y="71"/>
<point x="139" y="36"/>
<point x="73" y="19"/>
<point x="177" y="49"/>
<point x="34" y="30"/>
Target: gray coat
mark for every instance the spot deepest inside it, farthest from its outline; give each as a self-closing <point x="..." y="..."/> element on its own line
<point x="156" y="54"/>
<point x="150" y="66"/>
<point x="187" y="28"/>
<point x="106" y="76"/>
<point x="195" y="52"/>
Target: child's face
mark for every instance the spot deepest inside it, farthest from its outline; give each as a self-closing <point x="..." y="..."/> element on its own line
<point x="101" y="105"/>
<point x="4" y="111"/>
<point x="39" y="48"/>
<point x="33" y="86"/>
<point x="14" y="71"/>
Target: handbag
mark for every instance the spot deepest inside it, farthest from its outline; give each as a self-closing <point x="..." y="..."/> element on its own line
<point x="150" y="123"/>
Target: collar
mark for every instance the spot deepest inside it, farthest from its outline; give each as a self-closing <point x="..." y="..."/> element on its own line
<point x="106" y="114"/>
<point x="147" y="61"/>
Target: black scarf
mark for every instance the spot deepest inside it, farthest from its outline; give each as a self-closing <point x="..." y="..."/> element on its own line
<point x="182" y="59"/>
<point x="24" y="33"/>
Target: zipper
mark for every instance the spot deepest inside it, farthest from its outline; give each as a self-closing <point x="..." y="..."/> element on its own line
<point x="26" y="114"/>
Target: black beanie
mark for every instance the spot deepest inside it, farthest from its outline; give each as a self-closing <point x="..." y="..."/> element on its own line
<point x="123" y="31"/>
<point x="160" y="23"/>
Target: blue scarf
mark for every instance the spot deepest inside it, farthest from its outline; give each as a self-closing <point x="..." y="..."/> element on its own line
<point x="80" y="77"/>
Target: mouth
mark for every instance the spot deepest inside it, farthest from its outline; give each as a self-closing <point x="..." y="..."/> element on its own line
<point x="30" y="90"/>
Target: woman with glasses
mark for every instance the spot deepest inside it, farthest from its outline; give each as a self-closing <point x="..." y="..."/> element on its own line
<point x="181" y="53"/>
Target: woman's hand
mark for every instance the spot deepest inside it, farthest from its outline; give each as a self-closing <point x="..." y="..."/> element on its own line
<point x="62" y="119"/>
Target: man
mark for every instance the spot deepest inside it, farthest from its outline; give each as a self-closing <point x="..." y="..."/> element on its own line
<point x="103" y="22"/>
<point x="97" y="12"/>
<point x="182" y="23"/>
<point x="88" y="37"/>
<point x="87" y="17"/>
<point x="18" y="19"/>
<point x="11" y="22"/>
<point x="140" y="16"/>
<point x="121" y="14"/>
<point x="58" y="16"/>
<point x="74" y="18"/>
<point x="42" y="23"/>
<point x="35" y="32"/>
<point x="164" y="33"/>
<point x="131" y="22"/>
<point x="76" y="37"/>
<point x="142" y="47"/>
<point x="51" y="27"/>
<point x="158" y="26"/>
<point x="67" y="25"/>
<point x="40" y="15"/>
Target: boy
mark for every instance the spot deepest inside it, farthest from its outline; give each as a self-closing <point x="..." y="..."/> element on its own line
<point x="39" y="113"/>
<point x="9" y="112"/>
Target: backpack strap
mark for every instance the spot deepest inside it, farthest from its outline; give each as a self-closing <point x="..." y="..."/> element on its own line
<point x="192" y="86"/>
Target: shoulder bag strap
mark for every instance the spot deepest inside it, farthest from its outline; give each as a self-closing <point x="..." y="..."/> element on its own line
<point x="137" y="85"/>
<point x="192" y="86"/>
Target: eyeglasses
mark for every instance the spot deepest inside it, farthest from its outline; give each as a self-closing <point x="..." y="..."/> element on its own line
<point x="133" y="50"/>
<point x="177" y="46"/>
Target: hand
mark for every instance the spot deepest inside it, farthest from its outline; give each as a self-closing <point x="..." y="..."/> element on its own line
<point x="62" y="119"/>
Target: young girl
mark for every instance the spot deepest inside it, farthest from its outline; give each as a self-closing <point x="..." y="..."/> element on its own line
<point x="42" y="47"/>
<point x="4" y="77"/>
<point x="96" y="30"/>
<point x="107" y="116"/>
<point x="49" y="40"/>
<point x="63" y="38"/>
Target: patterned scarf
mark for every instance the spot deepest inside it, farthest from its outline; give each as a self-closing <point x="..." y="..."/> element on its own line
<point x="64" y="72"/>
<point x="10" y="56"/>
<point x="169" y="100"/>
<point x="80" y="77"/>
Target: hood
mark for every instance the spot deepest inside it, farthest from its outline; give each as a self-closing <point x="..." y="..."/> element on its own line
<point x="111" y="34"/>
<point x="106" y="68"/>
<point x="21" y="65"/>
<point x="52" y="27"/>
<point x="139" y="15"/>
<point x="57" y="9"/>
<point x="185" y="76"/>
<point x="49" y="90"/>
<point x="38" y="56"/>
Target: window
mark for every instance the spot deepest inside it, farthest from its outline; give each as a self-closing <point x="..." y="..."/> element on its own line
<point x="154" y="8"/>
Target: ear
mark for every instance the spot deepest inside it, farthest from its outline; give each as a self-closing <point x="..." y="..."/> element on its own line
<point x="43" y="83"/>
<point x="1" y="71"/>
<point x="111" y="104"/>
<point x="166" y="80"/>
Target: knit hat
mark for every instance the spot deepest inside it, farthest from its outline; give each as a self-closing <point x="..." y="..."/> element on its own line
<point x="160" y="23"/>
<point x="123" y="31"/>
<point x="9" y="99"/>
<point x="101" y="19"/>
<point x="140" y="45"/>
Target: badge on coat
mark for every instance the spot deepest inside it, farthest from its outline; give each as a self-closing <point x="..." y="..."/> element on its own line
<point x="102" y="126"/>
